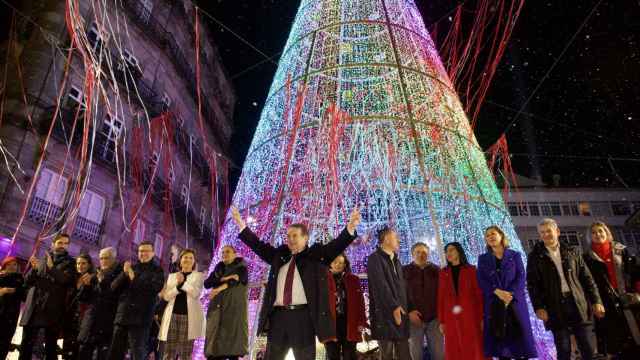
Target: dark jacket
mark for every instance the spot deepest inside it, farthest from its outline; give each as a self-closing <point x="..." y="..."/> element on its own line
<point x="227" y="318"/>
<point x="617" y="329"/>
<point x="46" y="302"/>
<point x="137" y="299"/>
<point x="97" y="323"/>
<point x="387" y="291"/>
<point x="422" y="286"/>
<point x="10" y="303"/>
<point x="545" y="292"/>
<point x="312" y="264"/>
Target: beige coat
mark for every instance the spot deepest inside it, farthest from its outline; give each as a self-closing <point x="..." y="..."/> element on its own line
<point x="193" y="287"/>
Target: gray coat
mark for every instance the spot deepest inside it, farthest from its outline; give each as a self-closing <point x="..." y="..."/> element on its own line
<point x="227" y="324"/>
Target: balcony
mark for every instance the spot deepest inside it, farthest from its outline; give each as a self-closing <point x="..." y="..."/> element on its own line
<point x="43" y="212"/>
<point x="87" y="231"/>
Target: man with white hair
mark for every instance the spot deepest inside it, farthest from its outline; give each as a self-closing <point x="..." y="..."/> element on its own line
<point x="563" y="292"/>
<point x="97" y="324"/>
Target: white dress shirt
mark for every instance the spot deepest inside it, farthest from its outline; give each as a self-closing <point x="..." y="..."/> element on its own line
<point x="298" y="297"/>
<point x="554" y="254"/>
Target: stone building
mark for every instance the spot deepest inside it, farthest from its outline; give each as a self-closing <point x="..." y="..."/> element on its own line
<point x="144" y="51"/>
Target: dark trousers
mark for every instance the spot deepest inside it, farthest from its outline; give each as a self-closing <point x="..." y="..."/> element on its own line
<point x="133" y="337"/>
<point x="87" y="349"/>
<point x="7" y="329"/>
<point x="29" y="335"/>
<point x="394" y="350"/>
<point x="291" y="329"/>
<point x="583" y="333"/>
<point x="341" y="349"/>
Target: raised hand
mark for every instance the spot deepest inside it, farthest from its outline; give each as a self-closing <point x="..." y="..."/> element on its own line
<point x="128" y="269"/>
<point x="237" y="217"/>
<point x="49" y="261"/>
<point x="354" y="221"/>
<point x="34" y="262"/>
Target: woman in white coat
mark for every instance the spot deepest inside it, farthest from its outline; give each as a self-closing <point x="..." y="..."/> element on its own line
<point x="183" y="320"/>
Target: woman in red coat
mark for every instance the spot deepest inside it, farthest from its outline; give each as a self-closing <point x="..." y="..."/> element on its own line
<point x="346" y="296"/>
<point x="460" y="306"/>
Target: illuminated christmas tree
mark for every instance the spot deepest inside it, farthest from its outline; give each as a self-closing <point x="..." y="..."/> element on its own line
<point x="361" y="112"/>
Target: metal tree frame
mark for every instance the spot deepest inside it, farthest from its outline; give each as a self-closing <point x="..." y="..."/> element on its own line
<point x="361" y="112"/>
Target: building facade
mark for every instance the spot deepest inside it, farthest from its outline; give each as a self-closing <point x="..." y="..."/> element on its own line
<point x="574" y="209"/>
<point x="125" y="188"/>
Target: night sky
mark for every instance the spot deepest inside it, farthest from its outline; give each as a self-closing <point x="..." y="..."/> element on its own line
<point x="586" y="111"/>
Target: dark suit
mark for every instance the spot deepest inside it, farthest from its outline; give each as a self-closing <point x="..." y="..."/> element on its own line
<point x="136" y="306"/>
<point x="297" y="328"/>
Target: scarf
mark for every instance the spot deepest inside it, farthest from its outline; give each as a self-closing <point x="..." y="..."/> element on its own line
<point x="605" y="252"/>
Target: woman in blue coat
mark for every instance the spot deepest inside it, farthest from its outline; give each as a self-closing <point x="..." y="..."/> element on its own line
<point x="501" y="278"/>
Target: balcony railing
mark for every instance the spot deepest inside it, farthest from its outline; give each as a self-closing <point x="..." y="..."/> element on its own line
<point x="87" y="231"/>
<point x="43" y="212"/>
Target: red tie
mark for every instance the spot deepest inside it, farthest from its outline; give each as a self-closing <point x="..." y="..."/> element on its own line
<point x="288" y="283"/>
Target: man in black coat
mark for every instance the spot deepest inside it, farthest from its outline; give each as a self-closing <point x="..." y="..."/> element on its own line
<point x="96" y="327"/>
<point x="295" y="307"/>
<point x="563" y="292"/>
<point x="50" y="280"/>
<point x="138" y="286"/>
<point x="11" y="295"/>
<point x="388" y="300"/>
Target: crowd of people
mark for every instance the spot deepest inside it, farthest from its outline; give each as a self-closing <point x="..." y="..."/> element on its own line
<point x="459" y="311"/>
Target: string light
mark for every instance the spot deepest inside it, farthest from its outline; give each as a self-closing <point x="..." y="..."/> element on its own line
<point x="380" y="127"/>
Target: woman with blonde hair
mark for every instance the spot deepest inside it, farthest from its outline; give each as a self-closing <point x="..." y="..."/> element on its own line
<point x="183" y="318"/>
<point x="611" y="266"/>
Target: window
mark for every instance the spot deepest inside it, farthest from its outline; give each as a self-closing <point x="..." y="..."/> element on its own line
<point x="513" y="209"/>
<point x="555" y="208"/>
<point x="139" y="230"/>
<point x="600" y="208"/>
<point x="584" y="208"/>
<point x="620" y="208"/>
<point x="75" y="98"/>
<point x="203" y="216"/>
<point x="111" y="129"/>
<point x="180" y="121"/>
<point x="51" y="187"/>
<point x="130" y="58"/>
<point x="92" y="207"/>
<point x="95" y="39"/>
<point x="545" y="209"/>
<point x="88" y="224"/>
<point x="571" y="238"/>
<point x="534" y="210"/>
<point x="145" y="11"/>
<point x="518" y="209"/>
<point x="166" y="101"/>
<point x="184" y="194"/>
<point x="570" y="209"/>
<point x="155" y="158"/>
<point x="158" y="244"/>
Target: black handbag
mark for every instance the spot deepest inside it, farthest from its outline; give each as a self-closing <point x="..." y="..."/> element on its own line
<point x="503" y="322"/>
